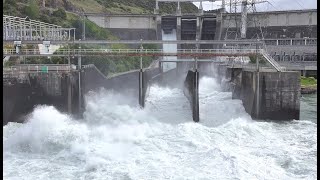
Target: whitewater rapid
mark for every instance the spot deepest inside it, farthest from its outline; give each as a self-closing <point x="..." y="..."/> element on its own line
<point x="169" y="48"/>
<point x="119" y="141"/>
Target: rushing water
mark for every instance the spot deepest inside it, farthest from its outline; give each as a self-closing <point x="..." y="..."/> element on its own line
<point x="308" y="107"/>
<point x="169" y="48"/>
<point x="118" y="141"/>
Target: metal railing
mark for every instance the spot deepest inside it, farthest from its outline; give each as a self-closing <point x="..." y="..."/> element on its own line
<point x="291" y="42"/>
<point x="131" y="52"/>
<point x="274" y="63"/>
<point x="37" y="68"/>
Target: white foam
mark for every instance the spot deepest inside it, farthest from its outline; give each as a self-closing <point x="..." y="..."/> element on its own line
<point x="169" y="48"/>
<point x="116" y="140"/>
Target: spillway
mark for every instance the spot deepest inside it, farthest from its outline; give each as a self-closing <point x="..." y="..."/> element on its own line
<point x="118" y="140"/>
<point x="169" y="48"/>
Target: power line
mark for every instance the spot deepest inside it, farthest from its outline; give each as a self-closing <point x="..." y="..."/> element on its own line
<point x="299" y="4"/>
<point x="273" y="5"/>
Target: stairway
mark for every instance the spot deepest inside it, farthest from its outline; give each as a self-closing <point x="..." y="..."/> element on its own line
<point x="274" y="63"/>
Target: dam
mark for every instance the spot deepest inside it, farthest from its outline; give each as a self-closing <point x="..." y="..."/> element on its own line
<point x="275" y="87"/>
<point x="71" y="121"/>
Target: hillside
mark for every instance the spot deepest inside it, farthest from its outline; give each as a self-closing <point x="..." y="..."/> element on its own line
<point x="65" y="13"/>
<point x="18" y="7"/>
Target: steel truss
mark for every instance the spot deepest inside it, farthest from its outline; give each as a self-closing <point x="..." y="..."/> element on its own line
<point x="18" y="29"/>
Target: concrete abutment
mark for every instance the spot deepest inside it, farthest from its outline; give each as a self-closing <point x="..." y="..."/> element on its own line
<point x="267" y="95"/>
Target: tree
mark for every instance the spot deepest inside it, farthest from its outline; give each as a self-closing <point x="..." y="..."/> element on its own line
<point x="60" y="13"/>
<point x="32" y="10"/>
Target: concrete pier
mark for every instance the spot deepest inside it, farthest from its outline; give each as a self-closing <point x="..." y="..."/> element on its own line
<point x="268" y="95"/>
<point x="159" y="29"/>
<point x="178" y="31"/>
<point x="21" y="94"/>
<point x="191" y="91"/>
<point x="141" y="89"/>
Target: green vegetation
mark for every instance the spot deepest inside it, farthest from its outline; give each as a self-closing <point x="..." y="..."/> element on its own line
<point x="32" y="10"/>
<point x="253" y="59"/>
<point x="18" y="7"/>
<point x="308" y="81"/>
<point x="143" y="6"/>
<point x="64" y="13"/>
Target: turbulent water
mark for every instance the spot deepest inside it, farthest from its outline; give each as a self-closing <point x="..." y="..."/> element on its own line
<point x="170" y="48"/>
<point x="118" y="141"/>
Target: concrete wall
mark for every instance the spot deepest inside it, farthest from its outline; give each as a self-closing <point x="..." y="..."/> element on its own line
<point x="126" y="83"/>
<point x="278" y="97"/>
<point x="59" y="90"/>
<point x="62" y="90"/>
<point x="128" y="27"/>
<point x="124" y="22"/>
<point x="135" y="34"/>
<point x="274" y="24"/>
<point x="276" y="18"/>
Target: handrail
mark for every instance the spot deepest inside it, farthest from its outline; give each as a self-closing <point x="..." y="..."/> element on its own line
<point x="272" y="61"/>
<point x="126" y="51"/>
<point x="27" y="68"/>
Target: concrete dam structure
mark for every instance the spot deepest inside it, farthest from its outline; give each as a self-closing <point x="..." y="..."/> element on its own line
<point x="294" y="28"/>
<point x="265" y="93"/>
<point x="61" y="89"/>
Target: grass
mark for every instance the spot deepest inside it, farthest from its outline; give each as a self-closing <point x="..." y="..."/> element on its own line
<point x="308" y="81"/>
<point x="121" y="8"/>
<point x="88" y="5"/>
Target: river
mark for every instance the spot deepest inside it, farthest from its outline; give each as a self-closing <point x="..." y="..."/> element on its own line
<point x="118" y="141"/>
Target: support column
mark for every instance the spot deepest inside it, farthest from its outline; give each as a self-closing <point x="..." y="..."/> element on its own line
<point x="79" y="90"/>
<point x="69" y="94"/>
<point x="244" y="20"/>
<point x="156" y="10"/>
<point x="141" y="86"/>
<point x="159" y="30"/>
<point x="196" y="97"/>
<point x="200" y="8"/>
<point x="178" y="11"/>
<point x="198" y="31"/>
<point x="191" y="91"/>
<point x="178" y="33"/>
<point x="257" y="95"/>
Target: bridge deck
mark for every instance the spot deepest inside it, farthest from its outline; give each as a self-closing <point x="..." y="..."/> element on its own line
<point x="134" y="52"/>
